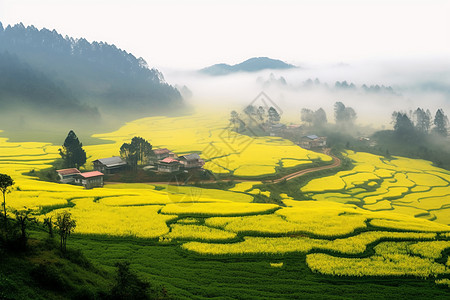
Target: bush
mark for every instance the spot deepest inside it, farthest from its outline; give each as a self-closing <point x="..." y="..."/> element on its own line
<point x="77" y="257"/>
<point x="83" y="293"/>
<point x="128" y="285"/>
<point x="49" y="277"/>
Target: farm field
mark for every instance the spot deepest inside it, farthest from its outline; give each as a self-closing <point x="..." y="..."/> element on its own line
<point x="407" y="186"/>
<point x="381" y="219"/>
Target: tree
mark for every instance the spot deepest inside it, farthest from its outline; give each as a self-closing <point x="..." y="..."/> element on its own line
<point x="339" y="112"/>
<point x="65" y="226"/>
<point x="250" y="110"/>
<point x="422" y="120"/>
<point x="440" y="123"/>
<point x="22" y="218"/>
<point x="5" y="183"/>
<point x="274" y="116"/>
<point x="320" y="118"/>
<point x="261" y="114"/>
<point x="48" y="222"/>
<point x="344" y="115"/>
<point x="137" y="152"/>
<point x="72" y="151"/>
<point x="403" y="126"/>
<point x="307" y="116"/>
<point x="128" y="284"/>
<point x="234" y="119"/>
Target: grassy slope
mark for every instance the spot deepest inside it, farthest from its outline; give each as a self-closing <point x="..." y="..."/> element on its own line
<point x="186" y="275"/>
<point x="61" y="278"/>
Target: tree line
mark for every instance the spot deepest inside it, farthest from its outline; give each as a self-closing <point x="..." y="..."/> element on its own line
<point x="410" y="125"/>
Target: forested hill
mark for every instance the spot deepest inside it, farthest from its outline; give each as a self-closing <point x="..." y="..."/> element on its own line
<point x="254" y="64"/>
<point x="22" y="88"/>
<point x="82" y="74"/>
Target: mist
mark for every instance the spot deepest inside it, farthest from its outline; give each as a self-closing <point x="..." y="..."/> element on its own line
<point x="402" y="86"/>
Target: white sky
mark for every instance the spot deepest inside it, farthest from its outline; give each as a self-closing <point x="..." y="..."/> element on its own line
<point x="195" y="34"/>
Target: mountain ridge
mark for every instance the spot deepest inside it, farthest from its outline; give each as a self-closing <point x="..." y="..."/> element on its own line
<point x="85" y="76"/>
<point x="253" y="64"/>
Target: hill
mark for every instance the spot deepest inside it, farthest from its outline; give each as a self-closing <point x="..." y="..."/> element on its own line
<point x="254" y="64"/>
<point x="77" y="76"/>
<point x="22" y="87"/>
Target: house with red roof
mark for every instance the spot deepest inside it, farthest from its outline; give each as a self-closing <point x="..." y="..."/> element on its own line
<point x="67" y="175"/>
<point x="90" y="179"/>
<point x="168" y="165"/>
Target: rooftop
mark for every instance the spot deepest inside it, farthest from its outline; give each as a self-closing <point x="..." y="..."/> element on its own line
<point x="168" y="160"/>
<point x="161" y="151"/>
<point x="192" y="156"/>
<point x="91" y="174"/>
<point x="68" y="171"/>
<point x="112" y="161"/>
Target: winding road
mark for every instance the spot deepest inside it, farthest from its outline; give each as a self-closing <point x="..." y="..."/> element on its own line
<point x="336" y="163"/>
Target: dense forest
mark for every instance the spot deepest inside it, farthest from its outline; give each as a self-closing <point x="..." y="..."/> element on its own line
<point x="41" y="68"/>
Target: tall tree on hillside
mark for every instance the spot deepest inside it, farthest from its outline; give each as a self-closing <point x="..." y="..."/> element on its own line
<point x="422" y="120"/>
<point x="65" y="226"/>
<point x="307" y="116"/>
<point x="137" y="152"/>
<point x="261" y="114"/>
<point x="234" y="119"/>
<point x="403" y="127"/>
<point x="72" y="151"/>
<point x="274" y="116"/>
<point x="440" y="123"/>
<point x="250" y="110"/>
<point x="320" y="118"/>
<point x="23" y="217"/>
<point x="344" y="115"/>
<point x="5" y="183"/>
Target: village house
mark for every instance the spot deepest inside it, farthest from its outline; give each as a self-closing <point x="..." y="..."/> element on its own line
<point x="90" y="179"/>
<point x="161" y="153"/>
<point x="192" y="160"/>
<point x="277" y="129"/>
<point x="168" y="165"/>
<point x="67" y="175"/>
<point x="109" y="165"/>
<point x="313" y="142"/>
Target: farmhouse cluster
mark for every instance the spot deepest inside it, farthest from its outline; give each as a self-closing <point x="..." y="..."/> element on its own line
<point x="297" y="133"/>
<point x="162" y="161"/>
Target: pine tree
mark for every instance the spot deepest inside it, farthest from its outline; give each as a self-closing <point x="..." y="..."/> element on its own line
<point x="320" y="118"/>
<point x="274" y="116"/>
<point x="440" y="123"/>
<point x="72" y="151"/>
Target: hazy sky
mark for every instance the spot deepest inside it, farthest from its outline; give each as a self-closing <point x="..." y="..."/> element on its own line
<point x="194" y="34"/>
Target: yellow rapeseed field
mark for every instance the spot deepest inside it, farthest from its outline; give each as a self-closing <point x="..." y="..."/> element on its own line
<point x="388" y="195"/>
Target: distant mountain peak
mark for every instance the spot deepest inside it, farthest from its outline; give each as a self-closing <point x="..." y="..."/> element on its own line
<point x="253" y="64"/>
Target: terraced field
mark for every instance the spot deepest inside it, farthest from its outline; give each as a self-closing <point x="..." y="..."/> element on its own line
<point x="407" y="186"/>
<point x="382" y="218"/>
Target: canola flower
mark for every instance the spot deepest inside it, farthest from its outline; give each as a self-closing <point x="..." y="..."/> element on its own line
<point x="218" y="209"/>
<point x="408" y="186"/>
<point x="377" y="265"/>
<point x="390" y="259"/>
<point x="443" y="281"/>
<point x="265" y="245"/>
<point x="96" y="218"/>
<point x="197" y="232"/>
<point x="276" y="265"/>
<point x="431" y="249"/>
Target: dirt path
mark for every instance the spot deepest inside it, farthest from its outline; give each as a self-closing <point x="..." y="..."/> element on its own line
<point x="336" y="163"/>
